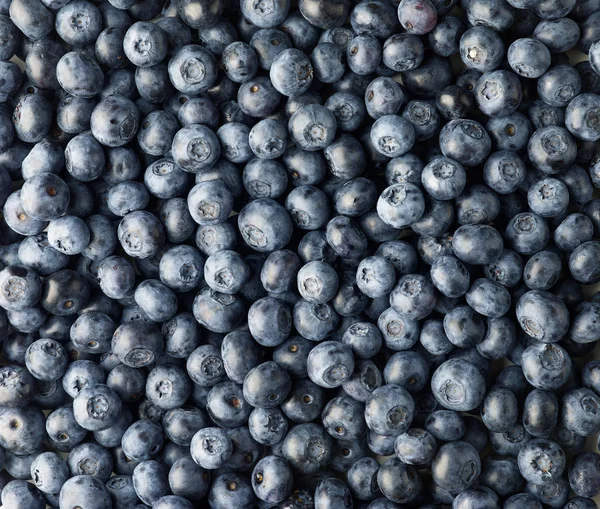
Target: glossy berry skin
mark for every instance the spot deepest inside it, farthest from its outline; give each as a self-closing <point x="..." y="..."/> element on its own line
<point x="389" y="410"/>
<point x="383" y="97"/>
<point x="403" y="52"/>
<point x="445" y="36"/>
<point x="269" y="321"/>
<point x="510" y="133"/>
<point x="343" y="419"/>
<point x="330" y="364"/>
<point x="225" y="271"/>
<point x="456" y="135"/>
<point x="140" y="35"/>
<point x="307" y="447"/>
<point x="546" y="366"/>
<point x="449" y="276"/>
<point x="375" y="276"/>
<point x="291" y="72"/>
<point x="312" y="127"/>
<point x="481" y="48"/>
<point x="527" y="233"/>
<point x="268" y="139"/>
<point x="500" y="409"/>
<point x="317" y="282"/>
<point x="96" y="408"/>
<point x="451" y="389"/>
<point x="195" y="148"/>
<point x="445" y="425"/>
<point x="551" y="149"/>
<point x="45" y="197"/>
<point x="443" y="178"/>
<point x="583" y="477"/>
<point x="456" y="466"/>
<point x="401" y="205"/>
<point x="415" y="447"/>
<point x="464" y="327"/>
<point x="529" y="58"/>
<point x="266" y="385"/>
<point x="486" y="238"/>
<point x="581" y="265"/>
<point x="272" y="479"/>
<point x="262" y="234"/>
<point x="392" y="145"/>
<point x="543" y="316"/>
<point x="498" y="105"/>
<point x="578" y="411"/>
<point x="578" y="117"/>
<point x="488" y="298"/>
<point x="541" y="461"/>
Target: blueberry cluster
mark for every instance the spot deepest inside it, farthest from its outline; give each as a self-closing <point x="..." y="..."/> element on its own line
<point x="282" y="255"/>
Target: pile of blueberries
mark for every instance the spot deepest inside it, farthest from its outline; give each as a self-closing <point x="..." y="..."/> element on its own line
<point x="282" y="255"/>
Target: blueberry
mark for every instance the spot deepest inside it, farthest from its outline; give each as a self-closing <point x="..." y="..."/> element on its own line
<point x="383" y="97"/>
<point x="509" y="133"/>
<point x="443" y="178"/>
<point x="11" y="43"/>
<point x="141" y="234"/>
<point x="481" y="495"/>
<point x="581" y="262"/>
<point x="546" y="366"/>
<point x="32" y="18"/>
<point x="481" y="48"/>
<point x="330" y="364"/>
<point x="417" y="18"/>
<point x="491" y="101"/>
<point x="307" y="447"/>
<point x="97" y="407"/>
<point x="304" y="403"/>
<point x="308" y="207"/>
<point x="269" y="321"/>
<point x="256" y="230"/>
<point x="464" y="327"/>
<point x="137" y="343"/>
<point x="20" y="494"/>
<point x="466" y="141"/>
<point x="444" y="38"/>
<point x="20" y="393"/>
<point x="477" y="244"/>
<point x="258" y="97"/>
<point x="529" y="58"/>
<point x="541" y="461"/>
<point x="266" y="385"/>
<point x="291" y="72"/>
<point x="79" y="75"/>
<point x="396" y="144"/>
<point x="579" y="413"/>
<point x="456" y="466"/>
<point x="543" y="316"/>
<point x="528" y="233"/>
<point x="268" y="140"/>
<point x="524" y="500"/>
<point x="449" y="276"/>
<point x="552" y="149"/>
<point x="150" y="481"/>
<point x="231" y="489"/>
<point x="218" y="312"/>
<point x="187" y="479"/>
<point x="458" y="385"/>
<point x="346" y="158"/>
<point x="272" y="479"/>
<point x="115" y="121"/>
<point x="343" y="418"/>
<point x="312" y="127"/>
